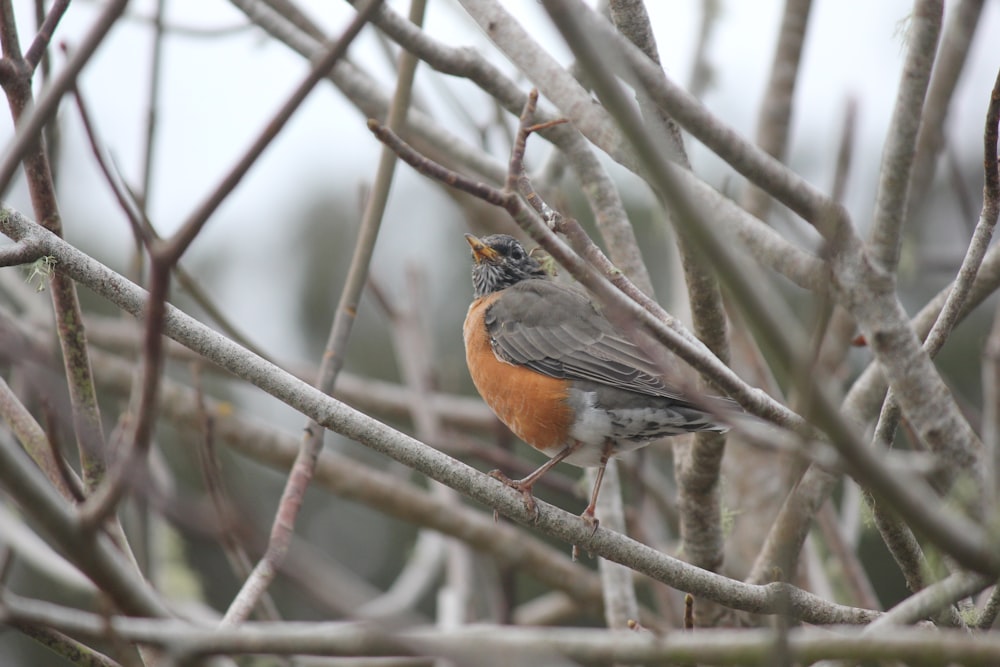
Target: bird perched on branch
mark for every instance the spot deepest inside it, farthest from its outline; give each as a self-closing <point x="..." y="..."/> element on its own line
<point x="559" y="374"/>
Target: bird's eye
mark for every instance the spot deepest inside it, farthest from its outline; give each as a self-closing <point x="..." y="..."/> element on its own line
<point x="516" y="253"/>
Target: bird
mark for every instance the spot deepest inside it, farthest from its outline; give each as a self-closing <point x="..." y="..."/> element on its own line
<point x="560" y="375"/>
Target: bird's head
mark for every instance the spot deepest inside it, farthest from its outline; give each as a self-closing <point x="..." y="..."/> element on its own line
<point x="500" y="261"/>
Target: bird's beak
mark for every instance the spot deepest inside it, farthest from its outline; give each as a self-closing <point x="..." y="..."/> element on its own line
<point x="480" y="251"/>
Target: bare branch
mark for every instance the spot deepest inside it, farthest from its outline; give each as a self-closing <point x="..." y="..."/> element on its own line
<point x="774" y="117"/>
<point x="990" y="610"/>
<point x="901" y="145"/>
<point x="991" y="416"/>
<point x="153" y="102"/>
<point x="33" y="56"/>
<point x="863" y="401"/>
<point x="31" y="436"/>
<point x="931" y="600"/>
<point x="23" y="252"/>
<point x="852" y="569"/>
<point x="953" y="52"/>
<point x="978" y="245"/>
<point x="525" y="645"/>
<point x="702" y="73"/>
<point x="65" y="646"/>
<point x="549" y="77"/>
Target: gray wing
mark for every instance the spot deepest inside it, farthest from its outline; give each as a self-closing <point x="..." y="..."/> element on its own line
<point x="554" y="329"/>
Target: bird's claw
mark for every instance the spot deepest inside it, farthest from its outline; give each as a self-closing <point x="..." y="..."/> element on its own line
<point x="529" y="500"/>
<point x="593" y="522"/>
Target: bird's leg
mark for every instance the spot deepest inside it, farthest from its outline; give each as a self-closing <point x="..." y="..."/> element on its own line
<point x="525" y="484"/>
<point x="588" y="514"/>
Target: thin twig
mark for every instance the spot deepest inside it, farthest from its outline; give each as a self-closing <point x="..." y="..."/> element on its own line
<point x="141" y="229"/>
<point x="621" y="606"/>
<point x="152" y="103"/>
<point x="33" y="56"/>
<point x="990" y="610"/>
<point x="775" y="114"/>
<point x="139" y="427"/>
<point x="991" y="417"/>
<point x="845" y="151"/>
<point x="840" y="327"/>
<point x="34" y="441"/>
<point x="852" y="569"/>
<point x="702" y="74"/>
<point x="957" y="40"/>
<point x="65" y="646"/>
<point x="232" y="546"/>
<point x="414" y="357"/>
<point x="319" y="70"/>
<point x="902" y="545"/>
<point x="333" y="358"/>
<point x="909" y="556"/>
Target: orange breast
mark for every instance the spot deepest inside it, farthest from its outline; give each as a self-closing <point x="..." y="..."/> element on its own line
<point x="531" y="404"/>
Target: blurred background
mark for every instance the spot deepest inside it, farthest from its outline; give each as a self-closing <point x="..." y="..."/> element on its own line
<point x="275" y="254"/>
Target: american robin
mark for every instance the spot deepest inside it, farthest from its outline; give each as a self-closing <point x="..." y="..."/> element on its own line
<point x="559" y="374"/>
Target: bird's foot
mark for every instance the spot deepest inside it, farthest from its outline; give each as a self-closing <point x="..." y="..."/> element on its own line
<point x="593" y="523"/>
<point x="524" y="489"/>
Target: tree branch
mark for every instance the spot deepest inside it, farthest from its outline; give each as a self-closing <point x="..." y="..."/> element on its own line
<point x="774" y="116"/>
<point x="525" y="645"/>
<point x="901" y="145"/>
